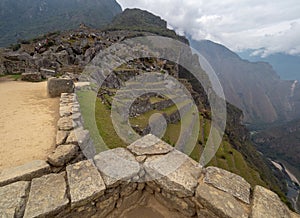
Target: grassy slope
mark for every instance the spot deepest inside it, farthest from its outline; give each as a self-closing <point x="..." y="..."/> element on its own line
<point x="226" y="157"/>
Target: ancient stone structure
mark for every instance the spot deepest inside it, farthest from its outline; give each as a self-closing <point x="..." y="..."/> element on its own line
<point x="32" y="77"/>
<point x="57" y="86"/>
<point x="115" y="182"/>
<point x="48" y="73"/>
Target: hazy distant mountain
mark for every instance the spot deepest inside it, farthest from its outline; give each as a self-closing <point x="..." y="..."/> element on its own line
<point x="287" y="66"/>
<point x="23" y="19"/>
<point x="252" y="86"/>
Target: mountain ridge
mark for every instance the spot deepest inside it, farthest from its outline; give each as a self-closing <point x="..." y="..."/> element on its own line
<point x="287" y="66"/>
<point x="25" y="19"/>
<point x="254" y="87"/>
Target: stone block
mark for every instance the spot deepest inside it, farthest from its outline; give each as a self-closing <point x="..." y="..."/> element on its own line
<point x="85" y="183"/>
<point x="67" y="98"/>
<point x="13" y="199"/>
<point x="220" y="203"/>
<point x="65" y="110"/>
<point x="62" y="155"/>
<point x="153" y="186"/>
<point x="25" y="172"/>
<point x="228" y="182"/>
<point x="179" y="204"/>
<point x="105" y="207"/>
<point x="203" y="213"/>
<point x="174" y="172"/>
<point x="116" y="166"/>
<point x="57" y="86"/>
<point x="150" y="145"/>
<point x="31" y="77"/>
<point x="128" y="189"/>
<point x="66" y="124"/>
<point x="88" y="149"/>
<point x="141" y="186"/>
<point x="47" y="73"/>
<point x="78" y="137"/>
<point x="127" y="202"/>
<point x="47" y="196"/>
<point x="267" y="204"/>
<point x="61" y="137"/>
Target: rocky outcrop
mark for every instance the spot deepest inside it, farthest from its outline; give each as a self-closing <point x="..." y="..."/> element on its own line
<point x="254" y="87"/>
<point x="16" y="62"/>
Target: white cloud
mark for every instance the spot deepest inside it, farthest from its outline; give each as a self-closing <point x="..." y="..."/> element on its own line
<point x="269" y="26"/>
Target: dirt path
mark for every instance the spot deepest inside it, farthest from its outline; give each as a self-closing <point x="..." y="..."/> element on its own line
<point x="27" y="122"/>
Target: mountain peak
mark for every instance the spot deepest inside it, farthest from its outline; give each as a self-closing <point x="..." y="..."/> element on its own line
<point x="141" y="20"/>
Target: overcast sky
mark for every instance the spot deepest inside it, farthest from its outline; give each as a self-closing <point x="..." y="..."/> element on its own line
<point x="273" y="25"/>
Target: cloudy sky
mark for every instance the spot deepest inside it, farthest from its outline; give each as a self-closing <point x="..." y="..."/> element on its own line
<point x="267" y="26"/>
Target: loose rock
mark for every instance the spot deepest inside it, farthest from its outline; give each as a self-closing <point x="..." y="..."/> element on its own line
<point x="62" y="155"/>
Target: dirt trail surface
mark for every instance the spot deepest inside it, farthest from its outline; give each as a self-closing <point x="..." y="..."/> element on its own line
<point x="27" y="122"/>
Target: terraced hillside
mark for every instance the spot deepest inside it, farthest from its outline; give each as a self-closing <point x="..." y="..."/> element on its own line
<point x="227" y="157"/>
<point x="236" y="153"/>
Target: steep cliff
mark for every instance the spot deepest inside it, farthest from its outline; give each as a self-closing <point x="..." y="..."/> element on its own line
<point x="254" y="87"/>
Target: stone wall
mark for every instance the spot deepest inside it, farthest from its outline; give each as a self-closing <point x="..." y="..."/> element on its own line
<point x="115" y="182"/>
<point x="144" y="105"/>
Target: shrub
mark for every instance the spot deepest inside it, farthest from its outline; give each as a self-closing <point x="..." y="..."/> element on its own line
<point x="15" y="47"/>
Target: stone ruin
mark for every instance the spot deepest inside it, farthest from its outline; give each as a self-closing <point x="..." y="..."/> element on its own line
<point x="118" y="182"/>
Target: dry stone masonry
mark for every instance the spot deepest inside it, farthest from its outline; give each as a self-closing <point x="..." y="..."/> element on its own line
<point x="114" y="182"/>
